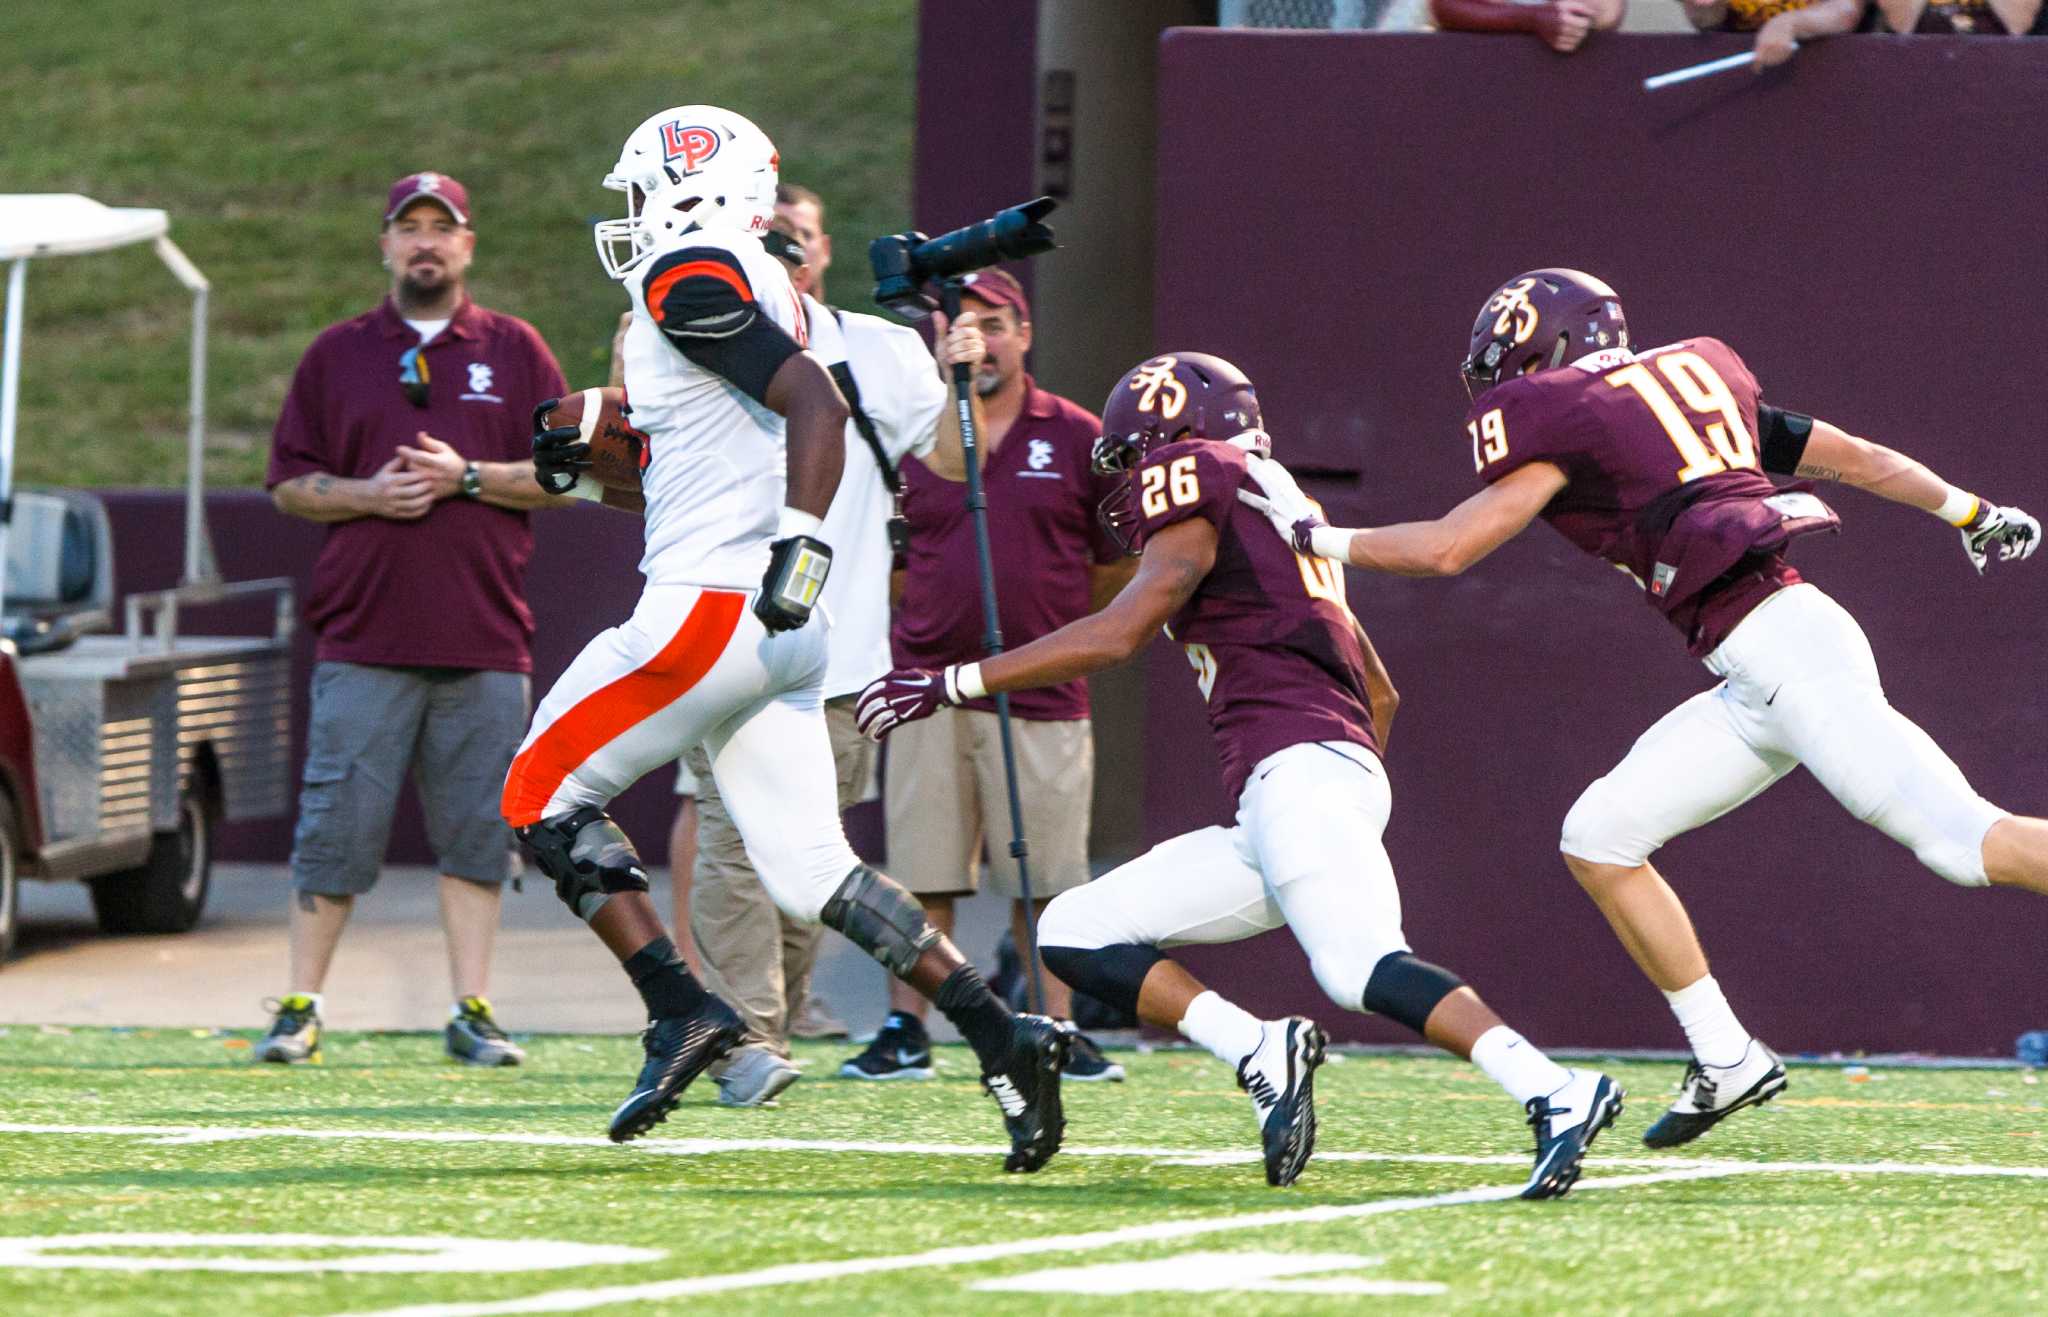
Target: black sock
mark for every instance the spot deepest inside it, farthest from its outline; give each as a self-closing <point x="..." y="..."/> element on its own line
<point x="664" y="981"/>
<point x="981" y="1019"/>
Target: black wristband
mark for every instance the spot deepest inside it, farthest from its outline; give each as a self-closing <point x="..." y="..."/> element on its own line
<point x="797" y="568"/>
<point x="1783" y="435"/>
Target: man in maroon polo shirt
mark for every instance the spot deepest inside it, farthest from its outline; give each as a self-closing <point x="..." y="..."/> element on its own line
<point x="407" y="431"/>
<point x="945" y="793"/>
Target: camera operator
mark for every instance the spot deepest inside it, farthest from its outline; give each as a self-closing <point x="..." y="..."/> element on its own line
<point x="945" y="793"/>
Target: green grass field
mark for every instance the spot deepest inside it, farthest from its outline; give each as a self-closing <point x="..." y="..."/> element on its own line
<point x="1910" y="1191"/>
<point x="270" y="132"/>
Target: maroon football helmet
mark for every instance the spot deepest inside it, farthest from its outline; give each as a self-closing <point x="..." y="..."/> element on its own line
<point x="1167" y="398"/>
<point x="1538" y="320"/>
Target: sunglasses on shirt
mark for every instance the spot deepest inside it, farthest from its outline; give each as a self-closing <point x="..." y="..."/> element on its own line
<point x="413" y="377"/>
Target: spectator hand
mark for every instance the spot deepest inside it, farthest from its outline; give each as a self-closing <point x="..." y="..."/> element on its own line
<point x="438" y="462"/>
<point x="1293" y="514"/>
<point x="1565" y="24"/>
<point x="2015" y="534"/>
<point x="959" y="343"/>
<point x="400" y="493"/>
<point x="904" y="695"/>
<point x="1775" y="43"/>
<point x="560" y="456"/>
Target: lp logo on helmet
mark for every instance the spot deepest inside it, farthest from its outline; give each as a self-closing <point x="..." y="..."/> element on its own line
<point x="1157" y="386"/>
<point x="692" y="145"/>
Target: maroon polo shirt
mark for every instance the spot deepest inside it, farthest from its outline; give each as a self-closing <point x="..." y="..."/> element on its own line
<point x="1043" y="537"/>
<point x="447" y="590"/>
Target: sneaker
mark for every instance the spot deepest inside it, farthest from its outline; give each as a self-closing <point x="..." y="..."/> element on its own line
<point x="473" y="1036"/>
<point x="1710" y="1093"/>
<point x="294" y="1036"/>
<point x="1086" y="1062"/>
<point x="1026" y="1085"/>
<point x="752" y="1076"/>
<point x="1280" y="1075"/>
<point x="678" y="1047"/>
<point x="901" y="1050"/>
<point x="814" y="1019"/>
<point x="1566" y="1123"/>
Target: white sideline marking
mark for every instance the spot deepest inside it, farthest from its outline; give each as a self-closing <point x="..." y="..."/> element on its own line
<point x="401" y="1253"/>
<point x="175" y="1135"/>
<point x="580" y="1300"/>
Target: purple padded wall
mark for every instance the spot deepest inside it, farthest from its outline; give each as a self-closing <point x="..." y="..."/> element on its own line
<point x="1865" y="229"/>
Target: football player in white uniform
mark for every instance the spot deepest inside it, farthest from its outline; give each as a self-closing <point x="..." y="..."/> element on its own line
<point x="744" y="455"/>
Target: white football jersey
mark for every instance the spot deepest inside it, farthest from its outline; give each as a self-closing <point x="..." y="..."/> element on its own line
<point x="715" y="475"/>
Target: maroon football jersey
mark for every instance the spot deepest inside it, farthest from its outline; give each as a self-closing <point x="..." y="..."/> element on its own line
<point x="1660" y="449"/>
<point x="1273" y="644"/>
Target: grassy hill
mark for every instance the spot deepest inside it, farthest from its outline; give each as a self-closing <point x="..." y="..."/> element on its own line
<point x="270" y="132"/>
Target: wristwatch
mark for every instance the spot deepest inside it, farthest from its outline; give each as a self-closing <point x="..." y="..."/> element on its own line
<point x="472" y="480"/>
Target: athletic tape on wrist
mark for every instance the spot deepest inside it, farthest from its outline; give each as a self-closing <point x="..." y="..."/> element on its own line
<point x="1959" y="508"/>
<point x="963" y="682"/>
<point x="1330" y="542"/>
<point x="795" y="521"/>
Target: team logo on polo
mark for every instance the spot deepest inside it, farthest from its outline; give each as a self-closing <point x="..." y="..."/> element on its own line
<point x="1041" y="454"/>
<point x="692" y="144"/>
<point x="481" y="378"/>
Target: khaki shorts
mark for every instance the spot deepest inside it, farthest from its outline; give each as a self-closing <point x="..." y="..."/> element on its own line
<point x="945" y="796"/>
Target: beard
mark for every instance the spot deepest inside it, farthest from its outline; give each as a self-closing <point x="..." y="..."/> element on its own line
<point x="987" y="382"/>
<point x="422" y="283"/>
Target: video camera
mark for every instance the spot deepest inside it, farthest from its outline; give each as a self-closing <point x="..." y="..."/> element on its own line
<point x="904" y="262"/>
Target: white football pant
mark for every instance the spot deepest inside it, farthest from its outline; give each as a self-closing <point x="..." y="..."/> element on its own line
<point x="695" y="665"/>
<point x="1800" y="687"/>
<point x="1306" y="852"/>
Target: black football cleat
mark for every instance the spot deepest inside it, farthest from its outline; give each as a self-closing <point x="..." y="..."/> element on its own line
<point x="1566" y="1123"/>
<point x="1710" y="1094"/>
<point x="679" y="1047"/>
<point x="1280" y="1075"/>
<point x="1027" y="1087"/>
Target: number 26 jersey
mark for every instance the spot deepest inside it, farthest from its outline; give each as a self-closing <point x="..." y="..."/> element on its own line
<point x="1272" y="642"/>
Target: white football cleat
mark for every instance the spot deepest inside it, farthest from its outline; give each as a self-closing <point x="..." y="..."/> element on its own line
<point x="1566" y="1123"/>
<point x="1280" y="1076"/>
<point x="1710" y="1093"/>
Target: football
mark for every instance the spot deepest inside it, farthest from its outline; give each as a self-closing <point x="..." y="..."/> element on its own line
<point x="617" y="450"/>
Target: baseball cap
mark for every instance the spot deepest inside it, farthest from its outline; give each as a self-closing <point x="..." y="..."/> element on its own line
<point x="997" y="288"/>
<point x="451" y="195"/>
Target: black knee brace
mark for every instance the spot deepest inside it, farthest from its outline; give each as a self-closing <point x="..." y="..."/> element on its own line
<point x="1406" y="988"/>
<point x="880" y="918"/>
<point x="590" y="858"/>
<point x="1112" y="975"/>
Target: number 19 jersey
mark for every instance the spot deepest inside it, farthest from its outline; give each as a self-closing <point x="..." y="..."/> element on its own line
<point x="1660" y="451"/>
<point x="1273" y="644"/>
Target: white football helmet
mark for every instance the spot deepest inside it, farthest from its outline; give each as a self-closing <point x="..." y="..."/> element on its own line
<point x="691" y="167"/>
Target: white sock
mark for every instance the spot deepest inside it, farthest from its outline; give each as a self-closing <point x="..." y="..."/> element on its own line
<point x="1228" y="1031"/>
<point x="1717" y="1037"/>
<point x="1517" y="1064"/>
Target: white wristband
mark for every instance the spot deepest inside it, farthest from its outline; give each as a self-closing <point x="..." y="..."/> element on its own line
<point x="1330" y="542"/>
<point x="795" y="521"/>
<point x="963" y="682"/>
<point x="1959" y="508"/>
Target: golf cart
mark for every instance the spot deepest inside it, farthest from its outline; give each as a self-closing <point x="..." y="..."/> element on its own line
<point x="120" y="750"/>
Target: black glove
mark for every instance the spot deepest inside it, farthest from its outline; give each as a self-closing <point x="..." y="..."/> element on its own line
<point x="559" y="455"/>
<point x="797" y="568"/>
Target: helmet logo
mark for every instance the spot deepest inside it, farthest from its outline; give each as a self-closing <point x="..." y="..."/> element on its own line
<point x="1515" y="311"/>
<point x="692" y="145"/>
<point x="1157" y="385"/>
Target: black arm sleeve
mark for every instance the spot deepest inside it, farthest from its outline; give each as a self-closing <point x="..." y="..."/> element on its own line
<point x="704" y="304"/>
<point x="1784" y="436"/>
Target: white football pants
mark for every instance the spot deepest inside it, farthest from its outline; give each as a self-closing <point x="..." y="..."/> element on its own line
<point x="695" y="665"/>
<point x="1306" y="852"/>
<point x="1800" y="687"/>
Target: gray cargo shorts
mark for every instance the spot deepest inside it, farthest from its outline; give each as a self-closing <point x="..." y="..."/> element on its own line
<point x="456" y="729"/>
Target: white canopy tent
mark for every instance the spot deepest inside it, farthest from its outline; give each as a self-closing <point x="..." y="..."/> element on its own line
<point x="34" y="225"/>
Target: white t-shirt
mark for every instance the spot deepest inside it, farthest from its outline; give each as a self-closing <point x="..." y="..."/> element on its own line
<point x="429" y="330"/>
<point x="901" y="392"/>
<point x="716" y="471"/>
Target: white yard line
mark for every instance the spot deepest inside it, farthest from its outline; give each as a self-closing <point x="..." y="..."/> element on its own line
<point x="582" y="1300"/>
